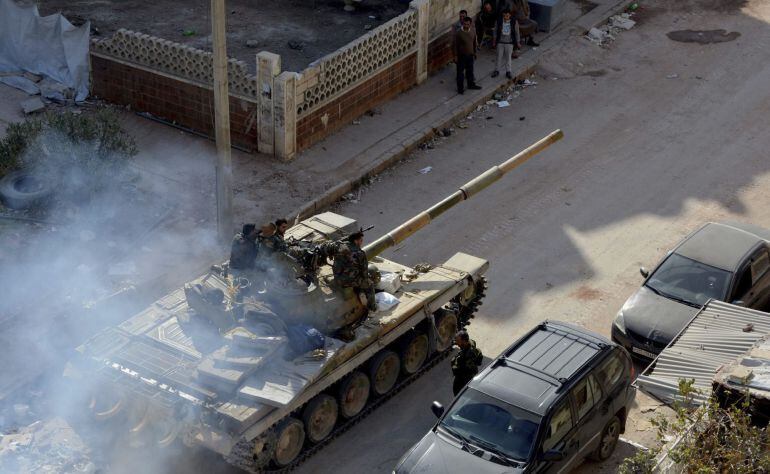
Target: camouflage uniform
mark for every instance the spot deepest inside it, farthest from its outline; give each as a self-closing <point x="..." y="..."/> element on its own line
<point x="243" y="252"/>
<point x="278" y="243"/>
<point x="465" y="366"/>
<point x="350" y="270"/>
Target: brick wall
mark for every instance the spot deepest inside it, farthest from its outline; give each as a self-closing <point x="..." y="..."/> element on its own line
<point x="322" y="122"/>
<point x="440" y="51"/>
<point x="173" y="100"/>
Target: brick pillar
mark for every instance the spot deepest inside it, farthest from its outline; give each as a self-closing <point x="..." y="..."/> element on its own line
<point x="268" y="67"/>
<point x="285" y="102"/>
<point x="423" y="37"/>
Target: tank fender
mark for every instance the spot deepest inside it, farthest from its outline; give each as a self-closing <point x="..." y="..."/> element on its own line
<point x="474" y="266"/>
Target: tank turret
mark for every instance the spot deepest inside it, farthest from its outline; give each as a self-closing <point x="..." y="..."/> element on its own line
<point x="329" y="308"/>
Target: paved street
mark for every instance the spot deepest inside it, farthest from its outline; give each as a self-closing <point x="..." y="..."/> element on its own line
<point x="644" y="161"/>
<point x="660" y="136"/>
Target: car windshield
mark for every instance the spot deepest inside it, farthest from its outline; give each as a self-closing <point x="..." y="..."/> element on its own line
<point x="682" y="279"/>
<point x="489" y="423"/>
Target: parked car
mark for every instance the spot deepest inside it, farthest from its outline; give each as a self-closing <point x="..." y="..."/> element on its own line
<point x="556" y="396"/>
<point x="721" y="261"/>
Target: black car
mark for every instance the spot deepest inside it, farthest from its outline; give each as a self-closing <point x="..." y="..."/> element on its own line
<point x="556" y="396"/>
<point x="721" y="261"/>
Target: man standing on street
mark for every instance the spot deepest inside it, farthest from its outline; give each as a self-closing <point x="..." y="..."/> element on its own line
<point x="465" y="54"/>
<point x="506" y="36"/>
<point x="465" y="364"/>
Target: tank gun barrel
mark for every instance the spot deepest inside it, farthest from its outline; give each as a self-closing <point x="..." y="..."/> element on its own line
<point x="472" y="187"/>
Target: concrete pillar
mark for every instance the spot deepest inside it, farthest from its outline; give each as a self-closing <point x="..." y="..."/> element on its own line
<point x="423" y="37"/>
<point x="285" y="103"/>
<point x="268" y="67"/>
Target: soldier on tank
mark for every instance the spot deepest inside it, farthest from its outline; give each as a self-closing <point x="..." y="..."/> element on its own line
<point x="465" y="364"/>
<point x="243" y="251"/>
<point x="351" y="268"/>
<point x="277" y="240"/>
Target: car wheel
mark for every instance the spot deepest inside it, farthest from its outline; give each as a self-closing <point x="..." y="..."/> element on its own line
<point x="22" y="190"/>
<point x="609" y="440"/>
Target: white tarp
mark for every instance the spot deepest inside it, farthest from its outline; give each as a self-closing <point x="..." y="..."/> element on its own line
<point x="48" y="46"/>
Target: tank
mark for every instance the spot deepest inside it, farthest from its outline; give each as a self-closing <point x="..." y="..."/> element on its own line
<point x="252" y="365"/>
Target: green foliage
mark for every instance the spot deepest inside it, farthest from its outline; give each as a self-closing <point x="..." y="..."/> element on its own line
<point x="92" y="139"/>
<point x="711" y="438"/>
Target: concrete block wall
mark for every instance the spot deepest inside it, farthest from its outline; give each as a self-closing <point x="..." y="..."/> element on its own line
<point x="341" y="111"/>
<point x="169" y="98"/>
<point x="274" y="113"/>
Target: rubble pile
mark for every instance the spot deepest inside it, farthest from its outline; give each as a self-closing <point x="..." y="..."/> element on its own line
<point x="605" y="34"/>
<point x="50" y="446"/>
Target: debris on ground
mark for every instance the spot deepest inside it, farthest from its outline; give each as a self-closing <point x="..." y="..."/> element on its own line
<point x="605" y="34"/>
<point x="252" y="43"/>
<point x="426" y="170"/>
<point x="672" y="76"/>
<point x="50" y="446"/>
<point x="296" y="45"/>
<point x="503" y="103"/>
<point x="32" y="105"/>
<point x="446" y="132"/>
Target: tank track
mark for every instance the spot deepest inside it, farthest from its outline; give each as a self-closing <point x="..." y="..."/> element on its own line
<point x="241" y="456"/>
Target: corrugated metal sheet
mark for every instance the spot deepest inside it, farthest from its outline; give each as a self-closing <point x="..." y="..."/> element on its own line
<point x="715" y="336"/>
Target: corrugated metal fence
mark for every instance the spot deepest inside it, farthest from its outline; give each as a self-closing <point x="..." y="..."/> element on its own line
<point x="718" y="334"/>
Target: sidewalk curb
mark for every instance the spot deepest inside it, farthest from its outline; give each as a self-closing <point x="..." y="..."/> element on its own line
<point x="395" y="153"/>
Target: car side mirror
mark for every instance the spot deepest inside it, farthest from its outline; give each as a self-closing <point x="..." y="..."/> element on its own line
<point x="645" y="273"/>
<point x="553" y="455"/>
<point x="437" y="409"/>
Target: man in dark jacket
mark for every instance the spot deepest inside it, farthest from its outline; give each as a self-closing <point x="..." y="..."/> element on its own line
<point x="465" y="53"/>
<point x="465" y="364"/>
<point x="486" y="21"/>
<point x="243" y="251"/>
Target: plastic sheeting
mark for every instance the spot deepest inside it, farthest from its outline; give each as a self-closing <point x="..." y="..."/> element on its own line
<point x="49" y="46"/>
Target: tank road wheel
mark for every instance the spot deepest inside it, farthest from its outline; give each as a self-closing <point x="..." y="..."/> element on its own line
<point x="290" y="439"/>
<point x="105" y="404"/>
<point x="446" y="327"/>
<point x="470" y="300"/>
<point x="354" y="393"/>
<point x="320" y="416"/>
<point x="414" y="351"/>
<point x="164" y="431"/>
<point x="263" y="449"/>
<point x="384" y="372"/>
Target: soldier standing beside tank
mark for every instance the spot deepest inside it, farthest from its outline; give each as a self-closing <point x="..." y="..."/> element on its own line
<point x="465" y="364"/>
<point x="351" y="268"/>
<point x="244" y="251"/>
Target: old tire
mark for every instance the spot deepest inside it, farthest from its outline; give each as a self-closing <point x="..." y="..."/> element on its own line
<point x="384" y="371"/>
<point x="609" y="440"/>
<point x="22" y="190"/>
<point x="414" y="352"/>
<point x="320" y="416"/>
<point x="353" y="394"/>
<point x="446" y="327"/>
<point x="290" y="437"/>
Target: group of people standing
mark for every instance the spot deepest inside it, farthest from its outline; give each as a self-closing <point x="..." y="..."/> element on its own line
<point x="501" y="24"/>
